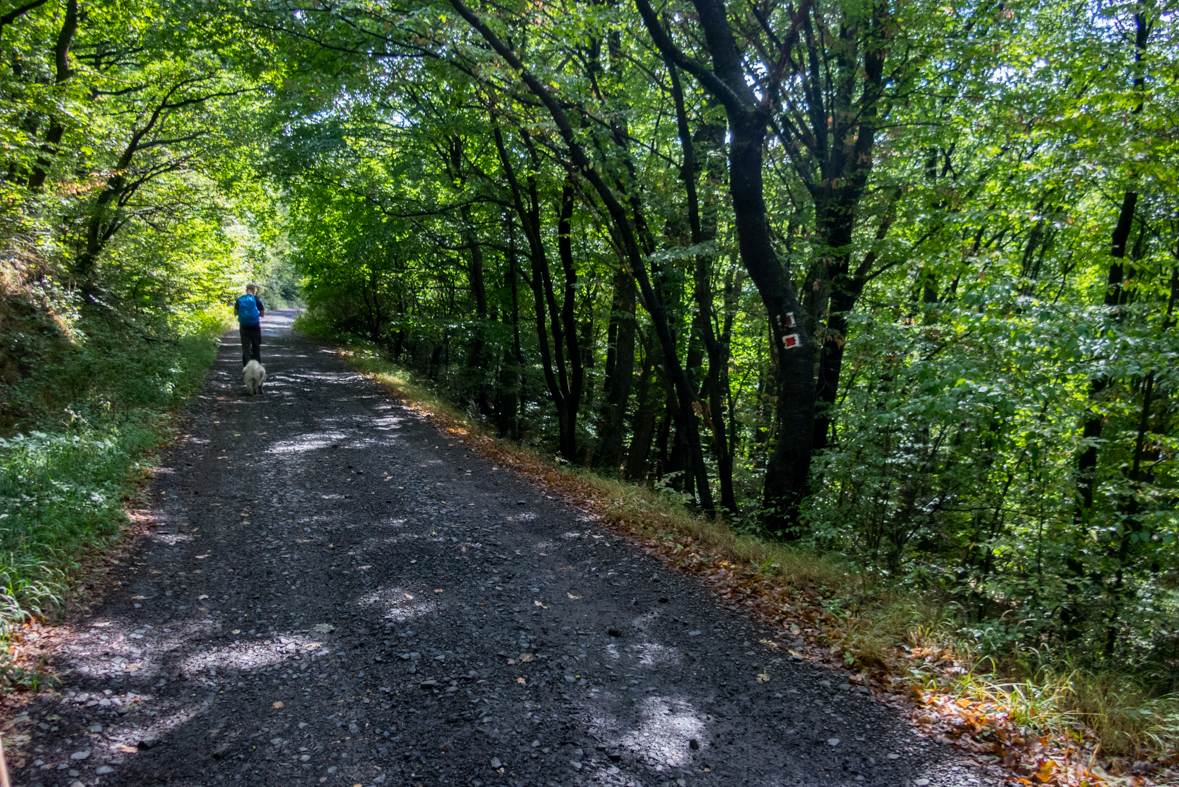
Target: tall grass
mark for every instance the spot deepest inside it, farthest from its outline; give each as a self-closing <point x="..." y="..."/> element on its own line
<point x="100" y="406"/>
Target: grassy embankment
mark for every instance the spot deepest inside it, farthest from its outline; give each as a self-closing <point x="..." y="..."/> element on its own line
<point x="1026" y="711"/>
<point x="78" y="432"/>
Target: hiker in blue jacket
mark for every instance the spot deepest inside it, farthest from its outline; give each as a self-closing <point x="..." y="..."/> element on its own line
<point x="250" y="311"/>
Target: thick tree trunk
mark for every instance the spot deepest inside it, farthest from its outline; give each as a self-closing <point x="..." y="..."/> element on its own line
<point x="790" y="457"/>
<point x="573" y="360"/>
<point x="476" y="362"/>
<point x="789" y="461"/>
<point x="677" y="464"/>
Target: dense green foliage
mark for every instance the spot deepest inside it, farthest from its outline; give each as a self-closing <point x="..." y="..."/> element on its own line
<point x="592" y="223"/>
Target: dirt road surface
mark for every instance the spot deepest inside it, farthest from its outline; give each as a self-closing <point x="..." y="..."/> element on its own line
<point x="335" y="593"/>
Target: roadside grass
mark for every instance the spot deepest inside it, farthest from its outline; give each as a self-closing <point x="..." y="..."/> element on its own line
<point x="1036" y="720"/>
<point x="64" y="486"/>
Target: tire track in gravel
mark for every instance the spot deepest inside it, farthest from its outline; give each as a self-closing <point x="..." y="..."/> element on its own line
<point x="336" y="594"/>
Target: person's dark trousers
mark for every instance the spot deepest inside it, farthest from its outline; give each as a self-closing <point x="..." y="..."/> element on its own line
<point x="251" y="343"/>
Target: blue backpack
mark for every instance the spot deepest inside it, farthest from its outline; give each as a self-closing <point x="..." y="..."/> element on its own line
<point x="247" y="310"/>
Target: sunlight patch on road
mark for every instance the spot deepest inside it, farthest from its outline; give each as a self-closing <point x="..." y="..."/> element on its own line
<point x="249" y="655"/>
<point x="651" y="654"/>
<point x="170" y="538"/>
<point x="399" y="604"/>
<point x="387" y="422"/>
<point x="139" y="653"/>
<point x="312" y="441"/>
<point x="664" y="734"/>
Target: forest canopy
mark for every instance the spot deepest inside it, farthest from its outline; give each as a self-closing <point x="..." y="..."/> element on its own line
<point x="890" y="280"/>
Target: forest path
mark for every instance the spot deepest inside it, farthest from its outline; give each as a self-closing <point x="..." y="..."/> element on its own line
<point x="334" y="593"/>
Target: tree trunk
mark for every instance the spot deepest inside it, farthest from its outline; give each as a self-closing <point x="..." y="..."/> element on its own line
<point x="553" y="360"/>
<point x="509" y="395"/>
<point x="711" y="136"/>
<point x="620" y="361"/>
<point x="1072" y="612"/>
<point x="789" y="463"/>
<point x="585" y="166"/>
<point x="649" y="396"/>
<point x="476" y="362"/>
<point x="574" y="359"/>
<point x="61" y="57"/>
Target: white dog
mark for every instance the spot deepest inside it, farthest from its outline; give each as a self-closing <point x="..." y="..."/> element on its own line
<point x="253" y="376"/>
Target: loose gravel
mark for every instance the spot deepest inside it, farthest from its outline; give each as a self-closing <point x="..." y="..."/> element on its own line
<point x="335" y="592"/>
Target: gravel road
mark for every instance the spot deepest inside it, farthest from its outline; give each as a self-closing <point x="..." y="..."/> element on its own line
<point x="335" y="593"/>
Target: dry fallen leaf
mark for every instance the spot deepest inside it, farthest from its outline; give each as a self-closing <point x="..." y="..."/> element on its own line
<point x="437" y="590"/>
<point x="525" y="657"/>
<point x="763" y="677"/>
<point x="542" y="606"/>
<point x="520" y="681"/>
<point x="278" y="705"/>
<point x="127" y="749"/>
<point x="570" y="595"/>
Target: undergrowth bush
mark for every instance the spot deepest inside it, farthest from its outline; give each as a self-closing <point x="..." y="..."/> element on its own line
<point x="101" y="405"/>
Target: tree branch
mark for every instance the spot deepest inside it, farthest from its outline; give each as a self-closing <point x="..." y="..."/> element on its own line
<point x="697" y="69"/>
